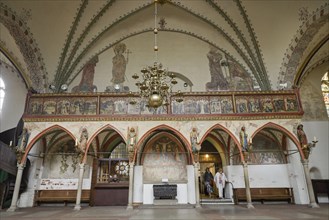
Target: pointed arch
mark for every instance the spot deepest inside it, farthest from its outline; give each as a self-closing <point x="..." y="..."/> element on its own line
<point x="283" y="130"/>
<point x="95" y="134"/>
<point x="182" y="138"/>
<point x="231" y="135"/>
<point x="38" y="136"/>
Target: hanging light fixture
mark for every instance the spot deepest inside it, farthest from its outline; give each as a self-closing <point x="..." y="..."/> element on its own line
<point x="156" y="83"/>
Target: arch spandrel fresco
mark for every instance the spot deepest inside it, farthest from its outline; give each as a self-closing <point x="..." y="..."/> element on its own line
<point x="164" y="158"/>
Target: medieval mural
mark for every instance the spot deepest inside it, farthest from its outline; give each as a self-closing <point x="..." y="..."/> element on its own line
<point x="164" y="159"/>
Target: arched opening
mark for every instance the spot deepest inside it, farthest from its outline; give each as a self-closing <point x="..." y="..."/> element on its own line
<point x="164" y="159"/>
<point x="55" y="158"/>
<point x="110" y="179"/>
<point x="219" y="150"/>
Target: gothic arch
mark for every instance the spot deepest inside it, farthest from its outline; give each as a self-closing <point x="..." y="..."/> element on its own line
<point x="90" y="140"/>
<point x="284" y="131"/>
<point x="38" y="136"/>
<point x="231" y="135"/>
<point x="148" y="135"/>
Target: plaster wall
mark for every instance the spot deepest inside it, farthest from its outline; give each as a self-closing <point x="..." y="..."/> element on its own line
<point x="185" y="191"/>
<point x="296" y="175"/>
<point x="14" y="100"/>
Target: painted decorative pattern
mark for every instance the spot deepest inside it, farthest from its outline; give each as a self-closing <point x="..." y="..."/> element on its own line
<point x="194" y="106"/>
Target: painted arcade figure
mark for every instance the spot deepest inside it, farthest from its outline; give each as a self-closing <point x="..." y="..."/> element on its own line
<point x="306" y="147"/>
<point x="244" y="139"/>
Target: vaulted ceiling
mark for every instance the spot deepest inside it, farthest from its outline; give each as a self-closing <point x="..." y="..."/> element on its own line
<point x="275" y="42"/>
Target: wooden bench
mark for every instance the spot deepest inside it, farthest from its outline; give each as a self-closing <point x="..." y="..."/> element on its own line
<point x="264" y="194"/>
<point x="64" y="196"/>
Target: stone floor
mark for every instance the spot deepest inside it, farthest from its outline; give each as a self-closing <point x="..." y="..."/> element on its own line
<point x="207" y="212"/>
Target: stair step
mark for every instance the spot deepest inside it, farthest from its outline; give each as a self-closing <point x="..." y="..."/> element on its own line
<point x="216" y="201"/>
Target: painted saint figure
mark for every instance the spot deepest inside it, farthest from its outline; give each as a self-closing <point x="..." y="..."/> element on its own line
<point x="87" y="81"/>
<point x="306" y="147"/>
<point x="244" y="139"/>
<point x="132" y="135"/>
<point x="302" y="136"/>
<point x="218" y="80"/>
<point x="83" y="140"/>
<point x="119" y="64"/>
<point x="194" y="140"/>
<point x="23" y="139"/>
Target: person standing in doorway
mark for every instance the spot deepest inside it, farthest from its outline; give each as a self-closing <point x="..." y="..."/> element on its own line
<point x="220" y="180"/>
<point x="208" y="180"/>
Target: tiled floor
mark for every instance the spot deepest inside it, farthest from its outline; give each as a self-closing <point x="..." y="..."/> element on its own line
<point x="209" y="212"/>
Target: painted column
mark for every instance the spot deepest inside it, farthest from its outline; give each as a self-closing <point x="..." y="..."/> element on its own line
<point x="312" y="204"/>
<point x="79" y="191"/>
<point x="196" y="179"/>
<point x="131" y="185"/>
<point x="13" y="206"/>
<point x="246" y="181"/>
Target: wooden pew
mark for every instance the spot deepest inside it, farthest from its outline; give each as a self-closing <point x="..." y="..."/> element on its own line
<point x="264" y="194"/>
<point x="64" y="196"/>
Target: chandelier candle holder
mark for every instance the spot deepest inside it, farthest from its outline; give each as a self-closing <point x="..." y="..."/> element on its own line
<point x="156" y="83"/>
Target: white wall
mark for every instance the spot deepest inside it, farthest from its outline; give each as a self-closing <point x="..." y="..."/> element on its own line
<point x="14" y="101"/>
<point x="138" y="184"/>
<point x="318" y="160"/>
<point x="185" y="191"/>
<point x="276" y="175"/>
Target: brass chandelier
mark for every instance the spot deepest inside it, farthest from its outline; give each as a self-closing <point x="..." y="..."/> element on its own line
<point x="156" y="83"/>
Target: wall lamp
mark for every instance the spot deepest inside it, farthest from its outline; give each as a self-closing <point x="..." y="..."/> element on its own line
<point x="63" y="87"/>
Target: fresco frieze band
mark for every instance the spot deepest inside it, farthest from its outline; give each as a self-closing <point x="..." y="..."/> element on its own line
<point x="279" y="104"/>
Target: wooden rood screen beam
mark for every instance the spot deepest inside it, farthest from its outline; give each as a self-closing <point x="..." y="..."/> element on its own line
<point x="194" y="106"/>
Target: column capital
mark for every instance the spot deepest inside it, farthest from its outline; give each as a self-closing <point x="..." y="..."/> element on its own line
<point x="305" y="161"/>
<point x="82" y="165"/>
<point x="20" y="166"/>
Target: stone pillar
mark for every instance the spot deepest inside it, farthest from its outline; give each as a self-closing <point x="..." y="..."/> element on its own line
<point x="13" y="206"/>
<point x="131" y="186"/>
<point x="196" y="179"/>
<point x="246" y="181"/>
<point x="79" y="191"/>
<point x="312" y="204"/>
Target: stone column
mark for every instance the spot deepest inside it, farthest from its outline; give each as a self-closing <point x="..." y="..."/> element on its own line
<point x="196" y="179"/>
<point x="13" y="206"/>
<point x="246" y="181"/>
<point x="79" y="191"/>
<point x="312" y="204"/>
<point x="131" y="186"/>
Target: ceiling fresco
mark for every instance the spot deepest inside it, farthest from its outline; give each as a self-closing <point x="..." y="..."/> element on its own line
<point x="236" y="44"/>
